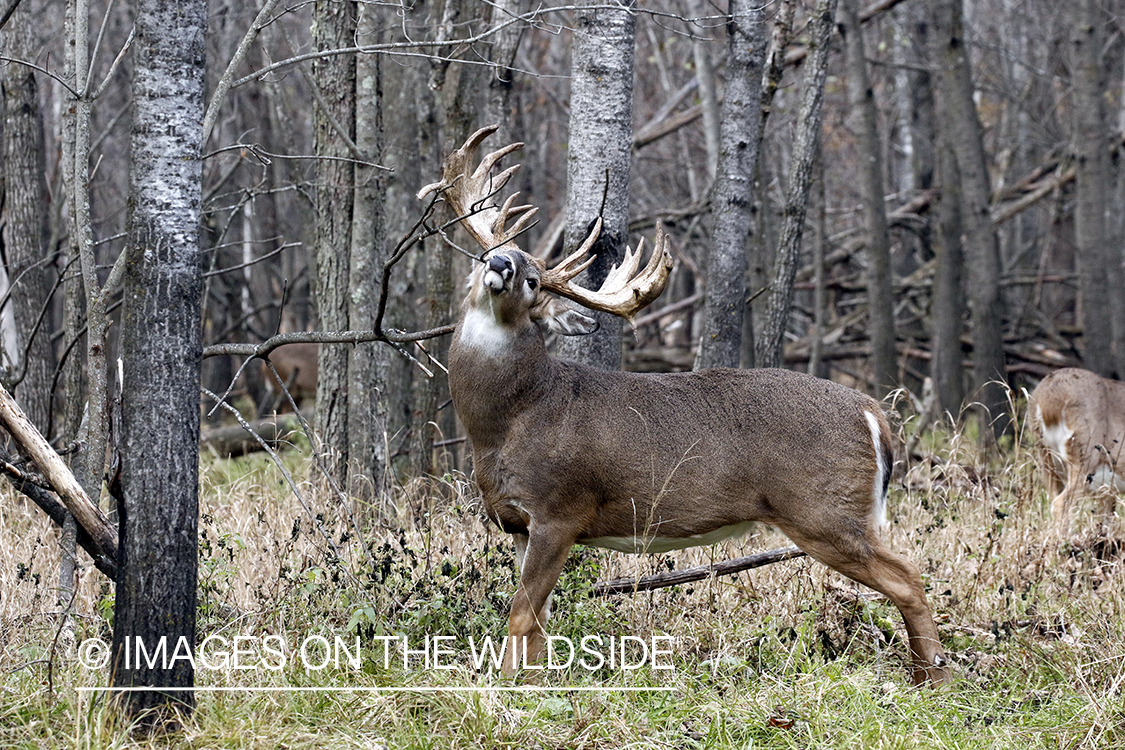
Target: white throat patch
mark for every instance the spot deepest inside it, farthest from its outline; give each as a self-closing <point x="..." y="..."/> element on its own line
<point x="481" y="332"/>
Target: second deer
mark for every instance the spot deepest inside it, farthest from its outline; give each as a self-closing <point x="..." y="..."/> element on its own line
<point x="1079" y="418"/>
<point x="566" y="454"/>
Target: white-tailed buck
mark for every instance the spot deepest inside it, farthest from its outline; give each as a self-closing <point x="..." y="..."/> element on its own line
<point x="1079" y="418"/>
<point x="566" y="454"/>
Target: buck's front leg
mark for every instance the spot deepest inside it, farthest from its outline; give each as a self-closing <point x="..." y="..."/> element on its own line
<point x="541" y="556"/>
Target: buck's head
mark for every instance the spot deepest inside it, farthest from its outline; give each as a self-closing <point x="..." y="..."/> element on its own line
<point x="510" y="290"/>
<point x="506" y="297"/>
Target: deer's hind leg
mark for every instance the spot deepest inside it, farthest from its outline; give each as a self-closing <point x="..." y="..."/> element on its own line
<point x="864" y="558"/>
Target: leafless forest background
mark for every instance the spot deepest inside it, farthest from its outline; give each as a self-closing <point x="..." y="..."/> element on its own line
<point x="312" y="162"/>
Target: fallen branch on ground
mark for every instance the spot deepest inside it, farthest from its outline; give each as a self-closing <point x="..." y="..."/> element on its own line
<point x="688" y="575"/>
<point x="102" y="536"/>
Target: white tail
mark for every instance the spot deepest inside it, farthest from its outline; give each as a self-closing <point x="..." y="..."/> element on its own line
<point x="566" y="454"/>
<point x="1079" y="418"/>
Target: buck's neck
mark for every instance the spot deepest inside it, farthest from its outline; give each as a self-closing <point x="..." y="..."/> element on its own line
<point x="495" y="373"/>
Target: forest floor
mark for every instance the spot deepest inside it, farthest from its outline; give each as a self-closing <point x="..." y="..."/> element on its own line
<point x="786" y="656"/>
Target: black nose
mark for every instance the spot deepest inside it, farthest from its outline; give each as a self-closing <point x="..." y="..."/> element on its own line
<point x="500" y="264"/>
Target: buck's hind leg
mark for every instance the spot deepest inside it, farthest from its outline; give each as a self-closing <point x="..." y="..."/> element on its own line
<point x="1052" y="468"/>
<point x="1062" y="506"/>
<point x="541" y="556"/>
<point x="865" y="559"/>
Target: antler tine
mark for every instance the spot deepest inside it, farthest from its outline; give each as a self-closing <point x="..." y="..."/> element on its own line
<point x="620" y="274"/>
<point x="569" y="267"/>
<point x="625" y="292"/>
<point x="489" y="161"/>
<point x="468" y="189"/>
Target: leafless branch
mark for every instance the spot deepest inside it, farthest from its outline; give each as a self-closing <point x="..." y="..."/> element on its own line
<point x="224" y="83"/>
<point x="267" y="256"/>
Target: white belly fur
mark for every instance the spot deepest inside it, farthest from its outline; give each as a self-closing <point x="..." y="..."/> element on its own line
<point x="1104" y="477"/>
<point x="637" y="544"/>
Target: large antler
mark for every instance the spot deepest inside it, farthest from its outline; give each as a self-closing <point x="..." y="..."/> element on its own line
<point x="624" y="292"/>
<point x="469" y="192"/>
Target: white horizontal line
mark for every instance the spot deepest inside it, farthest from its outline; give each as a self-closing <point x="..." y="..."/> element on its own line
<point x="391" y="689"/>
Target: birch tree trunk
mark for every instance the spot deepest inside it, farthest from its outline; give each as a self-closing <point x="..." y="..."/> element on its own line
<point x="963" y="131"/>
<point x="740" y="133"/>
<point x="806" y="141"/>
<point x="599" y="159"/>
<point x="1091" y="183"/>
<point x="161" y="348"/>
<point x="880" y="296"/>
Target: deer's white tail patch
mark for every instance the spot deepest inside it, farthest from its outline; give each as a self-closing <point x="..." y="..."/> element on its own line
<point x="879" y="491"/>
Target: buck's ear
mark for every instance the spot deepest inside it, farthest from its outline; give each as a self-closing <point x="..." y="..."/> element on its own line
<point x="552" y="315"/>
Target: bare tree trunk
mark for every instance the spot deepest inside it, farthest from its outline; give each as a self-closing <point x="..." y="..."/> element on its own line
<point x="161" y="348"/>
<point x="367" y="368"/>
<point x="26" y="204"/>
<point x="948" y="299"/>
<point x="982" y="251"/>
<point x="929" y="160"/>
<point x="406" y="114"/>
<point x="740" y="135"/>
<point x="334" y="132"/>
<point x="708" y="97"/>
<point x="71" y="423"/>
<point x="817" y="366"/>
<point x="455" y="89"/>
<point x="1091" y="181"/>
<point x="806" y="141"/>
<point x="1116" y="248"/>
<point x="498" y="102"/>
<point x="95" y="435"/>
<point x="599" y="159"/>
<point x="880" y="297"/>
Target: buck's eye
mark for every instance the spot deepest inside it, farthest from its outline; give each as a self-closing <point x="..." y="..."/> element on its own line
<point x="532" y="283"/>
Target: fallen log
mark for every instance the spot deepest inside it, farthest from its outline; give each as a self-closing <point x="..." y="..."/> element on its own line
<point x="234" y="440"/>
<point x="89" y="516"/>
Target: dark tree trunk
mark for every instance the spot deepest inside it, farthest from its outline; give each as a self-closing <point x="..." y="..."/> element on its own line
<point x="806" y="141"/>
<point x="1091" y="182"/>
<point x="599" y="158"/>
<point x="161" y="347"/>
<point x="740" y="134"/>
<point x="948" y="300"/>
<point x="367" y="368"/>
<point x="25" y="225"/>
<point x="880" y="296"/>
<point x="333" y="27"/>
<point x="498" y="100"/>
<point x="963" y="131"/>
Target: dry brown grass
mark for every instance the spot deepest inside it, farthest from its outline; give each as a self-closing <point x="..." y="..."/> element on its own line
<point x="1034" y="626"/>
